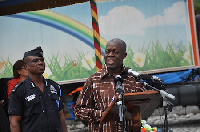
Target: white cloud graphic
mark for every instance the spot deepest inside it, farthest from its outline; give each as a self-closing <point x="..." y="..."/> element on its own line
<point x="121" y="19"/>
<point x="131" y="21"/>
<point x="172" y="15"/>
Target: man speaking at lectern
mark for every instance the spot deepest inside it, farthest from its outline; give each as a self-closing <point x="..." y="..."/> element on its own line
<point x="100" y="89"/>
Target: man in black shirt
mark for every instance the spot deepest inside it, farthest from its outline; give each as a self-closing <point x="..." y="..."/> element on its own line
<point x="34" y="104"/>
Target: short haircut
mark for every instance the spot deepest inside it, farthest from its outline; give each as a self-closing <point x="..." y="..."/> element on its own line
<point x="119" y="41"/>
<point x="17" y="66"/>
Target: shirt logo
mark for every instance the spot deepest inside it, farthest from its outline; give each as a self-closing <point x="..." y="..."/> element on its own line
<point x="53" y="90"/>
<point x="31" y="97"/>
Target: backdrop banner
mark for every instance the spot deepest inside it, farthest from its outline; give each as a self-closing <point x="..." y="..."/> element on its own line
<point x="160" y="37"/>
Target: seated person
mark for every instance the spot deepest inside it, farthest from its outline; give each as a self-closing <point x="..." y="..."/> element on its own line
<point x="19" y="73"/>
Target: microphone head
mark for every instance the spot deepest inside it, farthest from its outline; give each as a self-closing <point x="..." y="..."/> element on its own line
<point x="155" y="78"/>
<point x="134" y="73"/>
<point x="118" y="78"/>
<point x="126" y="69"/>
<point x="118" y="81"/>
<point x="146" y="77"/>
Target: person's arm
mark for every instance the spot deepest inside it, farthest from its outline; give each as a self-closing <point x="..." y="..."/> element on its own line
<point x="60" y="112"/>
<point x="15" y="110"/>
<point x="84" y="108"/>
<point x="15" y="123"/>
<point x="62" y="120"/>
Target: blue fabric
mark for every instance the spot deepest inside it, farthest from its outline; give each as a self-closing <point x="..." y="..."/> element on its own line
<point x="71" y="110"/>
<point x="179" y="76"/>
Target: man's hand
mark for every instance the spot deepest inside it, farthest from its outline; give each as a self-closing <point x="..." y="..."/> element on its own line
<point x="1" y="103"/>
<point x="15" y="122"/>
<point x="62" y="120"/>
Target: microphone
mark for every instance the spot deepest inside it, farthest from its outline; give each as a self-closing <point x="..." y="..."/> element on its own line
<point x="157" y="79"/>
<point x="162" y="92"/>
<point x="118" y="81"/>
<point x="165" y="94"/>
<point x="144" y="76"/>
<point x="150" y="78"/>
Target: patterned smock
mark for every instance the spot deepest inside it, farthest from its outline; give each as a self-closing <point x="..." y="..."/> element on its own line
<point x="97" y="93"/>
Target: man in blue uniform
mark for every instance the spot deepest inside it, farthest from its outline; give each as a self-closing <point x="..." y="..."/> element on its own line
<point x="34" y="104"/>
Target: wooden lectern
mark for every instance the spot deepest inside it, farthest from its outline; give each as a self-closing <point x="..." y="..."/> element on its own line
<point x="139" y="105"/>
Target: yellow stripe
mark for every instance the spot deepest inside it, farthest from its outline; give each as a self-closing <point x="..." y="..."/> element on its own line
<point x="98" y="54"/>
<point x="96" y="35"/>
<point x="97" y="69"/>
<point x="94" y="15"/>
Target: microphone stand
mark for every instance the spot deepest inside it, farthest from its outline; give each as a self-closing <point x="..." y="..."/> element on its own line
<point x="165" y="96"/>
<point x="119" y="89"/>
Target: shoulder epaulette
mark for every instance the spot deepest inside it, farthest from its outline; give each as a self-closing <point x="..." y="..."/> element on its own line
<point x="16" y="86"/>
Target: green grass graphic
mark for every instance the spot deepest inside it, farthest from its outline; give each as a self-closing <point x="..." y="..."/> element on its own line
<point x="156" y="57"/>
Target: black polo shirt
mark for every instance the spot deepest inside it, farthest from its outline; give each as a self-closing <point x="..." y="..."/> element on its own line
<point x="39" y="110"/>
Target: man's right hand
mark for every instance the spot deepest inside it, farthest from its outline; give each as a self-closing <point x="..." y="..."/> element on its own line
<point x="1" y="103"/>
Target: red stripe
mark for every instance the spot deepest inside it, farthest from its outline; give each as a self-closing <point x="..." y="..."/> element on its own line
<point x="98" y="64"/>
<point x="192" y="32"/>
<point x="97" y="47"/>
<point x="93" y="7"/>
<point x="95" y="27"/>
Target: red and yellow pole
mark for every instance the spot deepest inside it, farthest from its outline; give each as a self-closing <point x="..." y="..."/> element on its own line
<point x="96" y="34"/>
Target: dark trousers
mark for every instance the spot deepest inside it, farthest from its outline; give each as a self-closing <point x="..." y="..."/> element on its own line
<point x="4" y="122"/>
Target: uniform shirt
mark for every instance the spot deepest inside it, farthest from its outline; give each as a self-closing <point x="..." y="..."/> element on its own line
<point x="98" y="92"/>
<point x="39" y="110"/>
